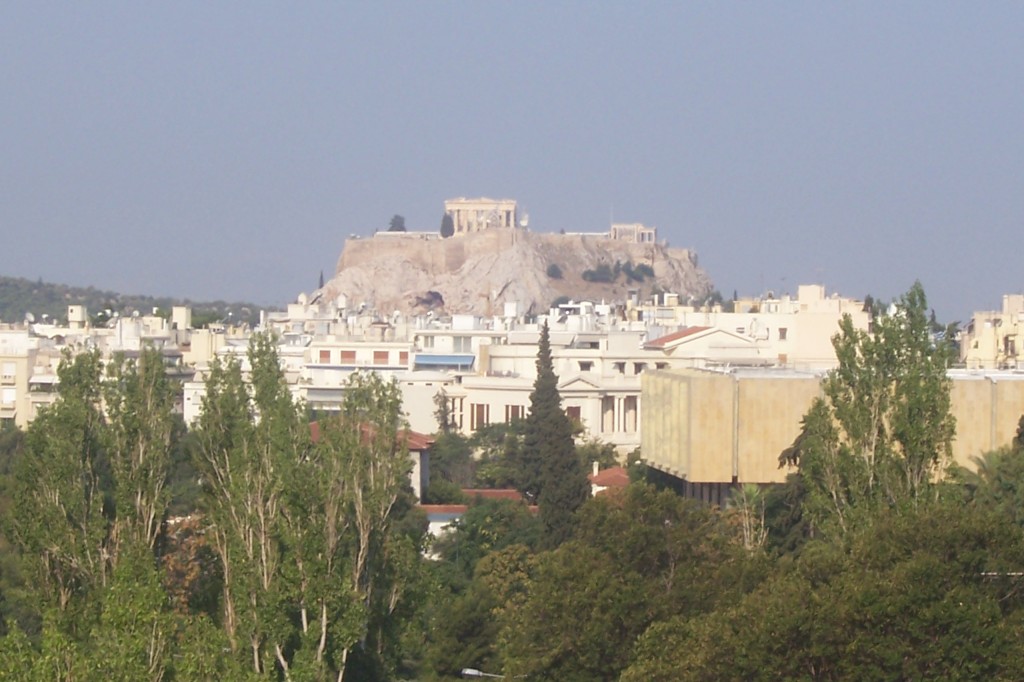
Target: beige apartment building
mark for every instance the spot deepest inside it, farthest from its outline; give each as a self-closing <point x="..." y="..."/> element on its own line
<point x="992" y="339"/>
<point x="477" y="215"/>
<point x="771" y="332"/>
<point x="714" y="428"/>
<point x="17" y="357"/>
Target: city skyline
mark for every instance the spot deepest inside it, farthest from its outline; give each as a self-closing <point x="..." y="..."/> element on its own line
<point x="227" y="151"/>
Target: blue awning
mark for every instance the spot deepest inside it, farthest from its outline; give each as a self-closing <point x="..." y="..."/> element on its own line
<point x="458" y="361"/>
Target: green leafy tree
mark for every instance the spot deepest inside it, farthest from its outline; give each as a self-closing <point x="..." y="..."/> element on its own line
<point x="139" y="403"/>
<point x="486" y="527"/>
<point x="244" y="466"/>
<point x="443" y="411"/>
<point x="928" y="593"/>
<point x="594" y="451"/>
<point x="639" y="556"/>
<point x="367" y="467"/>
<point x="554" y="272"/>
<point x="997" y="482"/>
<point x="550" y="471"/>
<point x="452" y="467"/>
<point x="62" y="510"/>
<point x="314" y="575"/>
<point x="468" y="625"/>
<point x="91" y="502"/>
<point x="497" y="450"/>
<point x="397" y="224"/>
<point x="883" y="431"/>
<point x="578" y="620"/>
<point x="133" y="637"/>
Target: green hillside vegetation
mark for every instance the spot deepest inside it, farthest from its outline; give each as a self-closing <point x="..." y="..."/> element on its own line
<point x="19" y="296"/>
<point x="606" y="273"/>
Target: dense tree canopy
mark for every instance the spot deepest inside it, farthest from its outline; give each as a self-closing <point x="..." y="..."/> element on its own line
<point x="303" y="559"/>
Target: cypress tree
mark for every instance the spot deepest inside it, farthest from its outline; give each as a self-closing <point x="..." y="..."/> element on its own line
<point x="550" y="472"/>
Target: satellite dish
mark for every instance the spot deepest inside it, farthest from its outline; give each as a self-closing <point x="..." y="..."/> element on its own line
<point x="29" y="317"/>
<point x="135" y="313"/>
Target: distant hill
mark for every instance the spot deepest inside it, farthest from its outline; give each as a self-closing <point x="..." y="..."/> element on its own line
<point x="20" y="296"/>
<point x="479" y="272"/>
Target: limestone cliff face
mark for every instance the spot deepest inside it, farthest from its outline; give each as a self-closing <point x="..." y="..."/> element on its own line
<point x="477" y="273"/>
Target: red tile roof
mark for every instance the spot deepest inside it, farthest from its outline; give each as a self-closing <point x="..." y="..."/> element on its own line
<point x="665" y="340"/>
<point x="414" y="440"/>
<point x="493" y="493"/>
<point x="612" y="477"/>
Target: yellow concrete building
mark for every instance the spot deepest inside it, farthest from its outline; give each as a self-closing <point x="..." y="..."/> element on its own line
<point x="714" y="429"/>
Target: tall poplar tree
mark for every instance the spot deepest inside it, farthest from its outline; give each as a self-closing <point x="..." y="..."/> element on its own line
<point x="550" y="472"/>
<point x="882" y="434"/>
<point x="313" y="569"/>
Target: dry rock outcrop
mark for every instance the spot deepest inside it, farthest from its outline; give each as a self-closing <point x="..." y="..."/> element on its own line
<point x="478" y="273"/>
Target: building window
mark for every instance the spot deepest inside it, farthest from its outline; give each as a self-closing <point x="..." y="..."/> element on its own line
<point x="639" y="367"/>
<point x="586" y="365"/>
<point x="8" y="396"/>
<point x="325" y="356"/>
<point x="661" y="365"/>
<point x="428" y="341"/>
<point x="479" y="415"/>
<point x="574" y="414"/>
<point x="380" y="357"/>
<point x="513" y="413"/>
<point x="782" y="333"/>
<point x="348" y="357"/>
<point x="403" y="357"/>
<point x="8" y="370"/>
<point x="462" y="344"/>
<point x="620" y="367"/>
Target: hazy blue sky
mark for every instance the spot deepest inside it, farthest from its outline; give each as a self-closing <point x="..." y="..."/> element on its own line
<point x="225" y="150"/>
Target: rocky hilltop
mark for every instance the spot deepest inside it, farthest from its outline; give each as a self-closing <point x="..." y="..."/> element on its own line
<point x="478" y="273"/>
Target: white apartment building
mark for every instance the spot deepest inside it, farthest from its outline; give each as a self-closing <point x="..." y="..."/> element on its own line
<point x="486" y="366"/>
